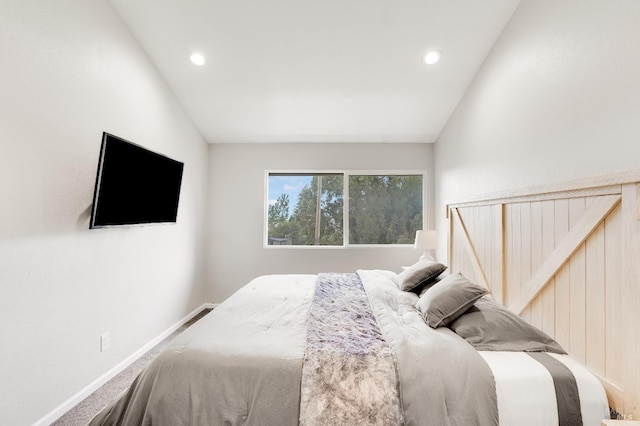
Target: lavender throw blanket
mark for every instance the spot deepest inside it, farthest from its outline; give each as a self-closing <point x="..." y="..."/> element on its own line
<point x="349" y="373"/>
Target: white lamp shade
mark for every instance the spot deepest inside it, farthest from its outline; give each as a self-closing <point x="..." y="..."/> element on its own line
<point x="426" y="240"/>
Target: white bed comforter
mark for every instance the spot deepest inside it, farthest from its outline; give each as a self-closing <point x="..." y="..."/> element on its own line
<point x="242" y="363"/>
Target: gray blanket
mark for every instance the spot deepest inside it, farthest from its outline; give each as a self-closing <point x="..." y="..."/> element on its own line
<point x="242" y="363"/>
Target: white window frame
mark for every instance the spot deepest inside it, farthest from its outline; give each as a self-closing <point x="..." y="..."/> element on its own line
<point x="345" y="207"/>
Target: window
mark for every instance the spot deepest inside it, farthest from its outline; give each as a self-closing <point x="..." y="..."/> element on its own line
<point x="384" y="209"/>
<point x="310" y="209"/>
<point x="306" y="209"/>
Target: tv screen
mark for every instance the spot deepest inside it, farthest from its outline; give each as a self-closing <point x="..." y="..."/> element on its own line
<point x="134" y="186"/>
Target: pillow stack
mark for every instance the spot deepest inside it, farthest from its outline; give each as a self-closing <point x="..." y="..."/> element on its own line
<point x="468" y="310"/>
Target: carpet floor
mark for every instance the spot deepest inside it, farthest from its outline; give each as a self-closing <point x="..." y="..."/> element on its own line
<point x="84" y="411"/>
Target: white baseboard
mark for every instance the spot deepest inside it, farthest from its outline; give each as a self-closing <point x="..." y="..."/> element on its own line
<point x="100" y="381"/>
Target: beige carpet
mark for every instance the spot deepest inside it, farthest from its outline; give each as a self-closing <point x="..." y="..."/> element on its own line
<point x="82" y="413"/>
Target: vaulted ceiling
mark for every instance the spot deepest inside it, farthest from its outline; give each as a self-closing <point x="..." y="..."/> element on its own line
<point x="317" y="70"/>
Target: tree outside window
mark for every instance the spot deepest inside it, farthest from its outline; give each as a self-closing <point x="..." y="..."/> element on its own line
<point x="309" y="209"/>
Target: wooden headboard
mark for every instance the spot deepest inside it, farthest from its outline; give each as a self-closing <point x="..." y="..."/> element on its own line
<point x="566" y="257"/>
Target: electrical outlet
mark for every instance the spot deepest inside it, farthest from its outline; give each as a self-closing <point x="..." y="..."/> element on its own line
<point x="104" y="342"/>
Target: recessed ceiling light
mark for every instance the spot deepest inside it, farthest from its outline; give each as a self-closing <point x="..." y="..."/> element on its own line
<point x="197" y="58"/>
<point x="432" y="57"/>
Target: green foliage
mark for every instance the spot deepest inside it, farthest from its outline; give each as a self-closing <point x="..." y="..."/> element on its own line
<point x="278" y="218"/>
<point x="331" y="208"/>
<point x="279" y="212"/>
<point x="384" y="209"/>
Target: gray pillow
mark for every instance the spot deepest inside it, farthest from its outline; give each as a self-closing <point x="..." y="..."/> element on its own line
<point x="488" y="326"/>
<point x="419" y="275"/>
<point x="448" y="299"/>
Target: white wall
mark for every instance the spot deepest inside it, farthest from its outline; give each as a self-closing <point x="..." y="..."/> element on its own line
<point x="557" y="98"/>
<point x="70" y="70"/>
<point x="237" y="209"/>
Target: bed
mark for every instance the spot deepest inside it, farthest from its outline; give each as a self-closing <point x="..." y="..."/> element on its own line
<point x="369" y="347"/>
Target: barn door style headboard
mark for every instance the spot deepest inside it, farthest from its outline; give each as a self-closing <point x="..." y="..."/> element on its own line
<point x="565" y="257"/>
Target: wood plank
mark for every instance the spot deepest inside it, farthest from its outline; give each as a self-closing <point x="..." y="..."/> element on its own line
<point x="507" y="255"/>
<point x="458" y="265"/>
<point x="525" y="252"/>
<point x="576" y="236"/>
<point x="459" y="253"/>
<point x="613" y="297"/>
<point x="631" y="299"/>
<point x="473" y="231"/>
<point x="637" y="201"/>
<point x="470" y="250"/>
<point x="476" y="237"/>
<point x="576" y="289"/>
<point x="487" y="263"/>
<point x="548" y="240"/>
<point x="611" y="180"/>
<point x="450" y="260"/>
<point x="486" y="245"/>
<point x="595" y="301"/>
<point x="514" y="286"/>
<point x="564" y="212"/>
<point x="506" y="198"/>
<point x="537" y="256"/>
<point x="497" y="252"/>
<point x="462" y="256"/>
<point x="467" y="268"/>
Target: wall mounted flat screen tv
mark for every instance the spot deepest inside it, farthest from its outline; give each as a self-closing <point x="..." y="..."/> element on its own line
<point x="134" y="186"/>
